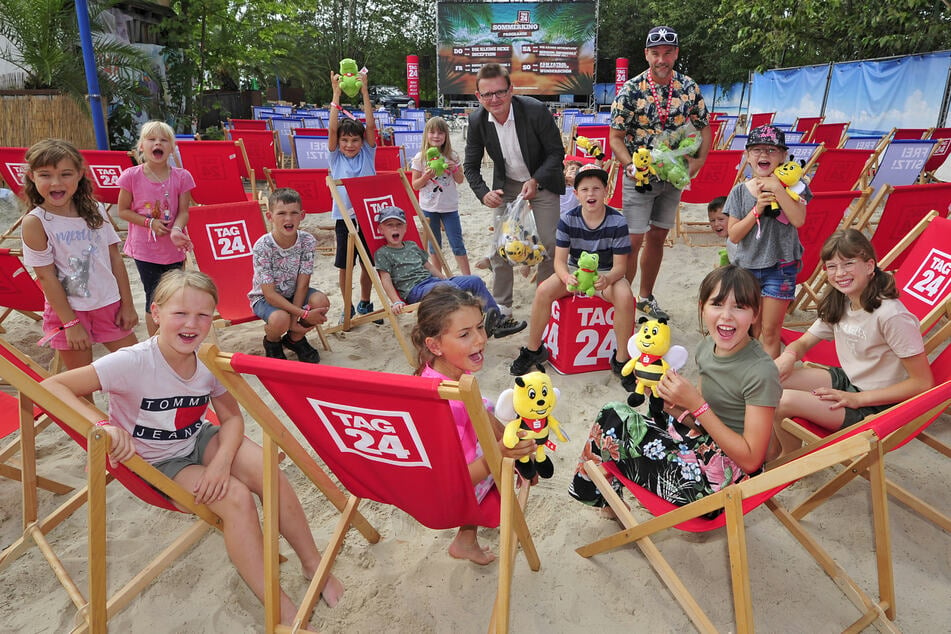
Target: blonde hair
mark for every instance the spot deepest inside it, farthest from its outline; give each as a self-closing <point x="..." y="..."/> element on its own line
<point x="48" y="153"/>
<point x="154" y="127"/>
<point x="179" y="279"/>
<point x="438" y="124"/>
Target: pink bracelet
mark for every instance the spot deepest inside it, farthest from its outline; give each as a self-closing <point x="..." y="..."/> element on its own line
<point x="700" y="410"/>
<point x="50" y="335"/>
<point x="102" y="423"/>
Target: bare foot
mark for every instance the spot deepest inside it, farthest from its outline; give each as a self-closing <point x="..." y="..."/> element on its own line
<point x="473" y="552"/>
<point x="332" y="591"/>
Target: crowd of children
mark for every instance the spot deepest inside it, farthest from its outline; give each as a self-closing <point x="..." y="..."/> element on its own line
<point x="731" y="417"/>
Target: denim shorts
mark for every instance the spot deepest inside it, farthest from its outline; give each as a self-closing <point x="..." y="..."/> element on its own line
<point x="778" y="281"/>
<point x="264" y="310"/>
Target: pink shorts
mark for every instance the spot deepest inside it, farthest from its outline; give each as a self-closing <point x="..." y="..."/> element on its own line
<point x="99" y="323"/>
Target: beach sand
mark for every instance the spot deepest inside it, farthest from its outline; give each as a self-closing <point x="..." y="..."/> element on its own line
<point x="408" y="582"/>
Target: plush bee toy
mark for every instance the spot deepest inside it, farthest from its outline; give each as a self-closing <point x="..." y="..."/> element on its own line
<point x="531" y="402"/>
<point x="651" y="357"/>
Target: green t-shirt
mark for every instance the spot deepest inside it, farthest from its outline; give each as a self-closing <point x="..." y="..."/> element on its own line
<point x="406" y="265"/>
<point x="729" y="384"/>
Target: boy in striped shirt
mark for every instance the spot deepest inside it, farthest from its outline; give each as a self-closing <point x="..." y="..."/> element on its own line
<point x="594" y="227"/>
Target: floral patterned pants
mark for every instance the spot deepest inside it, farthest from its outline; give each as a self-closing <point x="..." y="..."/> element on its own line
<point x="676" y="462"/>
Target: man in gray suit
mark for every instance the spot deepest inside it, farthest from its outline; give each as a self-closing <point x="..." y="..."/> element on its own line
<point x="524" y="143"/>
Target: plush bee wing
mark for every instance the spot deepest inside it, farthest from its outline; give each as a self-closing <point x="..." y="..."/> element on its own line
<point x="504" y="406"/>
<point x="676" y="357"/>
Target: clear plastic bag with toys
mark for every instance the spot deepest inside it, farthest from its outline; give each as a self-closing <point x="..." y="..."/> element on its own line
<point x="670" y="151"/>
<point x="516" y="237"/>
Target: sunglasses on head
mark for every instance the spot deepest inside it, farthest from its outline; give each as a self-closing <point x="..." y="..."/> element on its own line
<point x="662" y="36"/>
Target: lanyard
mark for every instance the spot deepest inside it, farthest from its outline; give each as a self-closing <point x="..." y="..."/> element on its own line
<point x="663" y="110"/>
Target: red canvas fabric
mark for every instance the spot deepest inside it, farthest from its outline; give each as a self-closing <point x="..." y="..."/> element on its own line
<point x="388" y="158"/>
<point x="260" y="146"/>
<point x="222" y="236"/>
<point x="311" y="184"/>
<point x="17" y="289"/>
<point x="215" y="167"/>
<point x="387" y="437"/>
<point x="905" y="207"/>
<point x="715" y="178"/>
<point x="368" y="194"/>
<point x="839" y="169"/>
<point x="103" y="168"/>
<point x="12" y="167"/>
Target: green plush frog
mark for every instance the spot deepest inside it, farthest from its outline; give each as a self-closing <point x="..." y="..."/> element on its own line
<point x="350" y="82"/>
<point x="586" y="275"/>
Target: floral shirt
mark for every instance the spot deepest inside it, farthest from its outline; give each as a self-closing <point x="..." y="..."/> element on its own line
<point x="635" y="111"/>
<point x="280" y="267"/>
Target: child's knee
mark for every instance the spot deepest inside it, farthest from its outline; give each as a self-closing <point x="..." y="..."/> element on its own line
<point x="318" y="300"/>
<point x="279" y="320"/>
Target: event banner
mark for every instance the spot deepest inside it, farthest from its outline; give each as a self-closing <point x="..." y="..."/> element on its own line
<point x="548" y="47"/>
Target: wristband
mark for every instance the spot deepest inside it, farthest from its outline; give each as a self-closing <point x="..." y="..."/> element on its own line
<point x="179" y="228"/>
<point x="755" y="213"/>
<point x="683" y="415"/>
<point x="336" y="105"/>
<point x="759" y="227"/>
<point x="400" y="302"/>
<point x="102" y="423"/>
<point x="50" y="335"/>
<point x="700" y="410"/>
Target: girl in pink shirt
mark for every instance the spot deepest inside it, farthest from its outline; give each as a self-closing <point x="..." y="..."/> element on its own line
<point x="154" y="199"/>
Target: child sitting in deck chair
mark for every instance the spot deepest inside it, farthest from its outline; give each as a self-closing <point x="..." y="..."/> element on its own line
<point x="281" y="293"/>
<point x="407" y="272"/>
<point x="450" y="338"/>
<point x="219" y="464"/>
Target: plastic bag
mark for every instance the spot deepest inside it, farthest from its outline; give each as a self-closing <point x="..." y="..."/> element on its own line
<point x="516" y="237"/>
<point x="670" y="151"/>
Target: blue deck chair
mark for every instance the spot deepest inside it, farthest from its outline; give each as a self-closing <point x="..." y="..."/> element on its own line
<point x="901" y="162"/>
<point x="260" y="112"/>
<point x="284" y="127"/>
<point x="862" y="142"/>
<point x="602" y="117"/>
<point x="417" y="115"/>
<point x="793" y="136"/>
<point x="581" y="119"/>
<point x="727" y="130"/>
<point x="312" y="122"/>
<point x="567" y="122"/>
<point x="411" y="124"/>
<point x="382" y="118"/>
<point x="311" y="152"/>
<point x="283" y="111"/>
<point x="412" y="142"/>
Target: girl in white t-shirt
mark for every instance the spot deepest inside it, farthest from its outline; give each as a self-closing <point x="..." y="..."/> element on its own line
<point x="162" y="419"/>
<point x="438" y="195"/>
<point x="878" y="342"/>
<point x="74" y="251"/>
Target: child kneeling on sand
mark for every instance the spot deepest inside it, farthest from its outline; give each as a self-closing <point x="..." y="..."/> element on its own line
<point x="216" y="463"/>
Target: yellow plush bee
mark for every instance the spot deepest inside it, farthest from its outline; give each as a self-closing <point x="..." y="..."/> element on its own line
<point x="529" y="405"/>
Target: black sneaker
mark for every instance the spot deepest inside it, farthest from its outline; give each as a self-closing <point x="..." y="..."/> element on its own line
<point x="650" y="307"/>
<point x="304" y="351"/>
<point x="365" y="307"/>
<point x="507" y="326"/>
<point x="492" y="319"/>
<point x="273" y="349"/>
<point x="528" y="359"/>
<point x="628" y="382"/>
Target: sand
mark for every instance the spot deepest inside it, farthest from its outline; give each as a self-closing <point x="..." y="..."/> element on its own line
<point x="408" y="582"/>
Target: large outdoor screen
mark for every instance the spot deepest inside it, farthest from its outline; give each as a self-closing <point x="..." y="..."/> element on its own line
<point x="548" y="47"/>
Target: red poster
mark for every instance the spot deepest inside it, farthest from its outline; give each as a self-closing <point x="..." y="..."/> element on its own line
<point x="412" y="77"/>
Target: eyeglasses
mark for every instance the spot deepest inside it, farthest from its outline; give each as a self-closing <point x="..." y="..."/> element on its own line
<point x="662" y="36"/>
<point x="847" y="266"/>
<point x="498" y="94"/>
<point x="767" y="151"/>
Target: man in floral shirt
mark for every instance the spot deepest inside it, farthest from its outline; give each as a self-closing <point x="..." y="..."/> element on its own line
<point x="659" y="99"/>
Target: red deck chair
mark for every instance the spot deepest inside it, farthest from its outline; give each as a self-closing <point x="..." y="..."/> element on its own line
<point x="104" y="168"/>
<point x="216" y="167"/>
<point x="599" y="133"/>
<point x="905" y="206"/>
<point x="830" y="134"/>
<point x="924" y="288"/>
<point x="13" y="167"/>
<point x="310" y="131"/>
<point x="941" y="150"/>
<point x="827" y="211"/>
<point x="760" y="118"/>
<point x="367" y="195"/>
<point x="389" y="158"/>
<point x="261" y="147"/>
<point x="911" y="134"/>
<point x="858" y="442"/>
<point x="248" y="124"/>
<point x="139" y="477"/>
<point x="719" y="174"/>
<point x="387" y="438"/>
<point x="715" y="130"/>
<point x="841" y="170"/>
<point x="311" y="184"/>
<point x="18" y="290"/>
<point x="806" y="124"/>
<point x="617" y="193"/>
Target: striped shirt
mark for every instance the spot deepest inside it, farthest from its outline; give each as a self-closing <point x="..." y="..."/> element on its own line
<point x="608" y="239"/>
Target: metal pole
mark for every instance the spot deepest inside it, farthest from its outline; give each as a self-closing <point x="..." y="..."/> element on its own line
<point x="92" y="79"/>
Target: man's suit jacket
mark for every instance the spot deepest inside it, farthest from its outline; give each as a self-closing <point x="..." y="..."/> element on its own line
<point x="538" y="138"/>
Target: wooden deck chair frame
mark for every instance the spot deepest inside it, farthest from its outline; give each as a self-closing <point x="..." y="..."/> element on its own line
<point x="394" y="189"/>
<point x="262" y="149"/>
<point x="513" y="528"/>
<point x="834" y="158"/>
<point x="939" y="155"/>
<point x="721" y="171"/>
<point x="738" y="499"/>
<point x="96" y="607"/>
<point x="10" y="423"/>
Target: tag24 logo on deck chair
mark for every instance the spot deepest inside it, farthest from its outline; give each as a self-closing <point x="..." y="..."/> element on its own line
<point x="932" y="277"/>
<point x="229" y="240"/>
<point x="106" y="176"/>
<point x="372" y="206"/>
<point x="375" y="434"/>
